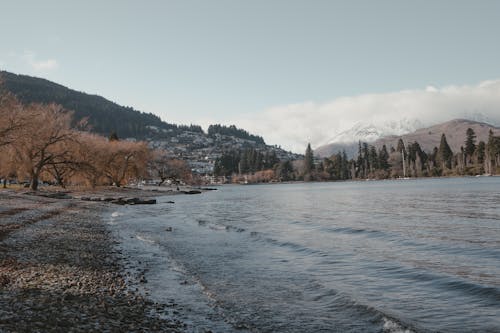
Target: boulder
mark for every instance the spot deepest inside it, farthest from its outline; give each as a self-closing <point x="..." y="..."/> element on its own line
<point x="192" y="192"/>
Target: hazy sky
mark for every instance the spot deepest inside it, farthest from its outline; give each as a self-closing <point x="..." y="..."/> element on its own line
<point x="260" y="64"/>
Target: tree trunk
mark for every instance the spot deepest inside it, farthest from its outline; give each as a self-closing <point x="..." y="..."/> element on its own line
<point x="34" y="183"/>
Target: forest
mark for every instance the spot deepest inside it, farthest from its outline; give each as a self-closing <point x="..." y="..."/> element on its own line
<point x="40" y="143"/>
<point x="234" y="131"/>
<point x="404" y="160"/>
<point x="100" y="113"/>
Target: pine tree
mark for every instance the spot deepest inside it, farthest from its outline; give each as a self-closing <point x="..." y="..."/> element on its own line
<point x="345" y="166"/>
<point x="445" y="155"/>
<point x="373" y="159"/>
<point x="470" y="144"/>
<point x="383" y="158"/>
<point x="401" y="147"/>
<point x="308" y="160"/>
<point x="480" y="152"/>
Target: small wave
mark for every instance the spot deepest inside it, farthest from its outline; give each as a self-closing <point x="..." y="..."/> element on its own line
<point x="116" y="214"/>
<point x="144" y="239"/>
<point x="481" y="291"/>
<point x="349" y="230"/>
<point x="215" y="226"/>
<point x="290" y="245"/>
<point x="338" y="301"/>
<point x="235" y="229"/>
<point x="391" y="326"/>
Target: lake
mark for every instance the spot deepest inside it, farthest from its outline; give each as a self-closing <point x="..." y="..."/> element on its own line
<point x="376" y="256"/>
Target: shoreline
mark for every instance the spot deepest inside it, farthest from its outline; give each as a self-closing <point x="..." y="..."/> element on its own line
<point x="60" y="269"/>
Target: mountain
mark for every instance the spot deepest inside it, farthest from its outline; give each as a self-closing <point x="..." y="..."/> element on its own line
<point x="365" y="132"/>
<point x="104" y="117"/>
<point x="428" y="137"/>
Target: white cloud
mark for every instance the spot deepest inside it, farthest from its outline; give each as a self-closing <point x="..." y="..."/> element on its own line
<point x="294" y="125"/>
<point x="39" y="65"/>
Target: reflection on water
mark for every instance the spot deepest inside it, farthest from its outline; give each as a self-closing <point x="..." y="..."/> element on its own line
<point x="388" y="256"/>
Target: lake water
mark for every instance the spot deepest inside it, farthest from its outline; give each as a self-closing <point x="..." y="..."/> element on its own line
<point x="385" y="256"/>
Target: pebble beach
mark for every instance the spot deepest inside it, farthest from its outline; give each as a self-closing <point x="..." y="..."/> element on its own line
<point x="60" y="270"/>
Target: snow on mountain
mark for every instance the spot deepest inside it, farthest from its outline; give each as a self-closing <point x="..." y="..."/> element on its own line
<point x="366" y="132"/>
<point x="410" y="131"/>
<point x="369" y="132"/>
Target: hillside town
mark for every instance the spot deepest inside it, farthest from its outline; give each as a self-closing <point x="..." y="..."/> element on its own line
<point x="200" y="150"/>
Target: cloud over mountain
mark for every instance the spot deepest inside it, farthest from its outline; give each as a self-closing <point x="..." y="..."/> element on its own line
<point x="39" y="65"/>
<point x="294" y="125"/>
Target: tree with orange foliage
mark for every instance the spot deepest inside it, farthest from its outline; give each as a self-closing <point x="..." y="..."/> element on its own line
<point x="11" y="118"/>
<point x="123" y="160"/>
<point x="166" y="167"/>
<point x="41" y="140"/>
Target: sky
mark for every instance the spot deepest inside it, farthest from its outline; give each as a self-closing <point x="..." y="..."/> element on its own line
<point x="292" y="71"/>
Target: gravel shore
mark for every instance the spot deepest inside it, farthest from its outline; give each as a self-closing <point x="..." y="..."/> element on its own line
<point x="60" y="271"/>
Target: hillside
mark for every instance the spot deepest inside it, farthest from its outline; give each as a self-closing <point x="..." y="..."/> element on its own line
<point x="365" y="131"/>
<point x="190" y="143"/>
<point x="428" y="137"/>
<point x="102" y="114"/>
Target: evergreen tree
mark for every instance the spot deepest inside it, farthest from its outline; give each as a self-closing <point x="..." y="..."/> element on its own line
<point x="365" y="159"/>
<point x="445" y="155"/>
<point x="401" y="147"/>
<point x="383" y="158"/>
<point x="360" y="162"/>
<point x="373" y="159"/>
<point x="480" y="152"/>
<point x="345" y="166"/>
<point x="308" y="160"/>
<point x="284" y="171"/>
<point x="470" y="144"/>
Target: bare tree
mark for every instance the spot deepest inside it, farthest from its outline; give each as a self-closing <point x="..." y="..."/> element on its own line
<point x="11" y="118"/>
<point x="168" y="168"/>
<point x="123" y="160"/>
<point x="41" y="141"/>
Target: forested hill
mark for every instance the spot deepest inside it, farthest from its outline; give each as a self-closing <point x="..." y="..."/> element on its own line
<point x="235" y="132"/>
<point x="103" y="115"/>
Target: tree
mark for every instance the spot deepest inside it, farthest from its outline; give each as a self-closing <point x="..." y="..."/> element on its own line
<point x="492" y="154"/>
<point x="7" y="164"/>
<point x="284" y="171"/>
<point x="383" y="158"/>
<point x="11" y="117"/>
<point x="480" y="152"/>
<point x="123" y="160"/>
<point x="166" y="168"/>
<point x="445" y="154"/>
<point x="416" y="159"/>
<point x="373" y="159"/>
<point x="39" y="143"/>
<point x="113" y="136"/>
<point x="401" y="147"/>
<point x="308" y="161"/>
<point x="470" y="145"/>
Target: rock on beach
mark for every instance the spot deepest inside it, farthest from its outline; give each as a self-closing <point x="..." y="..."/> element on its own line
<point x="59" y="271"/>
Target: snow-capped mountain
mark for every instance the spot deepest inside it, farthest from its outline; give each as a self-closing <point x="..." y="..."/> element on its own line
<point x="369" y="132"/>
<point x="389" y="134"/>
<point x="366" y="132"/>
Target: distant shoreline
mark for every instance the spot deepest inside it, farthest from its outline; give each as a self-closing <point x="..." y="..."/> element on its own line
<point x="356" y="180"/>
